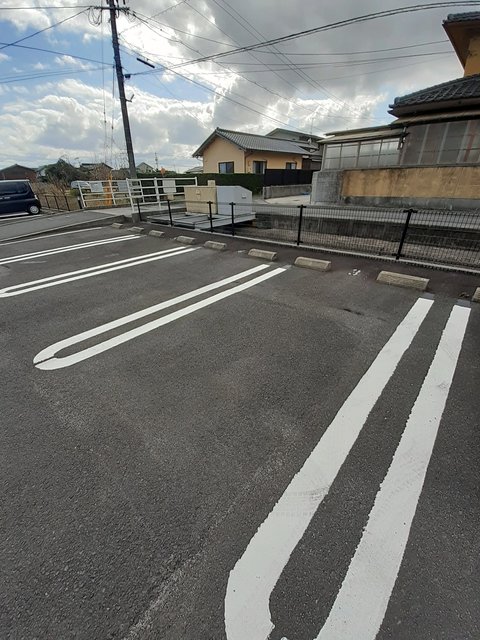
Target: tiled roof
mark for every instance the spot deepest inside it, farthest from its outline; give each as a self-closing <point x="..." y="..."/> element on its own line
<point x="252" y="142"/>
<point x="460" y="89"/>
<point x="463" y="17"/>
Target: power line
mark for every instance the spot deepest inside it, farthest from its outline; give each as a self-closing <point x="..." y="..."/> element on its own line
<point x="335" y="25"/>
<point x="226" y="97"/>
<point x="157" y="14"/>
<point x="57" y="53"/>
<point x="338" y="66"/>
<point x="354" y="53"/>
<point x="42" y="8"/>
<point x="291" y="65"/>
<point x="164" y="68"/>
<point x="271" y="91"/>
<point x="51" y="26"/>
<point x="46" y="74"/>
<point x="345" y="63"/>
<point x="236" y="73"/>
<point x="139" y="15"/>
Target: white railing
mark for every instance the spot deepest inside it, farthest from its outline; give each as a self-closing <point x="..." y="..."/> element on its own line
<point x="152" y="192"/>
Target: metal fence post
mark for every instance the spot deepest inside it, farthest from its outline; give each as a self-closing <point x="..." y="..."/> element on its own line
<point x="139" y="211"/>
<point x="210" y="215"/>
<point x="56" y="201"/>
<point x="67" y="203"/>
<point x="169" y="212"/>
<point x="404" y="232"/>
<point x="300" y="219"/>
<point x="232" y="205"/>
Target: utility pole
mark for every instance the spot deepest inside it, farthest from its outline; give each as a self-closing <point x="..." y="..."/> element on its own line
<point x="113" y="8"/>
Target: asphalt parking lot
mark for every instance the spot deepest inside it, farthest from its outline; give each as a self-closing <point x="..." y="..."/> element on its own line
<point x="198" y="445"/>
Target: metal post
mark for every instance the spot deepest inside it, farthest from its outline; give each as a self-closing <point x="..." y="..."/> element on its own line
<point x="232" y="205"/>
<point x="404" y="232"/>
<point x="113" y="6"/>
<point x="139" y="211"/>
<point x="210" y="215"/>
<point x="169" y="212"/>
<point x="56" y="201"/>
<point x="300" y="219"/>
<point x="67" y="203"/>
<point x="82" y="199"/>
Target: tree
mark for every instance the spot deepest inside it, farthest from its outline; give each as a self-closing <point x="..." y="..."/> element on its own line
<point x="63" y="173"/>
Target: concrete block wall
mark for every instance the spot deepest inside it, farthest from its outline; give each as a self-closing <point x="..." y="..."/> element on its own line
<point x="327" y="187"/>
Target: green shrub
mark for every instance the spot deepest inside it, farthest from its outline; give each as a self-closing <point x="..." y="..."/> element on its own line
<point x="250" y="181"/>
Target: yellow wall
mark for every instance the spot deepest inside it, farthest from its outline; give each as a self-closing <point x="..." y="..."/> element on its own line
<point x="197" y="199"/>
<point x="421" y="182"/>
<point x="221" y="150"/>
<point x="472" y="63"/>
<point x="274" y="160"/>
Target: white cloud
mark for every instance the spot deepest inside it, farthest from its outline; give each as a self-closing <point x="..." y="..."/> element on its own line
<point x="322" y="92"/>
<point x="4" y="57"/>
<point x="68" y="61"/>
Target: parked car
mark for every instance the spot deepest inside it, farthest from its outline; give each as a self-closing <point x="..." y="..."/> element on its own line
<point x="17" y="196"/>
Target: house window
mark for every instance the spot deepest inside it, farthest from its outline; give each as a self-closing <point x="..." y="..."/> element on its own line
<point x="291" y="165"/>
<point x="331" y="158"/>
<point x="361" y="155"/>
<point x="259" y="166"/>
<point x="225" y="167"/>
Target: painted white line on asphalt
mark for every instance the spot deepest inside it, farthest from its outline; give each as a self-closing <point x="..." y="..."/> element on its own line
<point x="90" y="272"/>
<point x="44" y="356"/>
<point x="18" y="216"/>
<point x="247" y="612"/>
<point x="49" y="235"/>
<point x="71" y="247"/>
<point x="361" y="603"/>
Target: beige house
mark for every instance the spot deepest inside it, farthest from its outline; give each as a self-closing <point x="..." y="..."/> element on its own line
<point x="226" y="151"/>
<point x="429" y="156"/>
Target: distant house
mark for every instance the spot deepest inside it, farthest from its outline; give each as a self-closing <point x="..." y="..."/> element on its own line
<point x="429" y="156"/>
<point x="96" y="170"/>
<point x="18" y="172"/>
<point x="143" y="167"/>
<point x="226" y="151"/>
<point x="197" y="169"/>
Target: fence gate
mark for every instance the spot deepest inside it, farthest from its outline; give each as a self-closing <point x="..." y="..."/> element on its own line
<point x="150" y="192"/>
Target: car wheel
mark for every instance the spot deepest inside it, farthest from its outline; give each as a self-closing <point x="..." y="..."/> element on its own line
<point x="33" y="209"/>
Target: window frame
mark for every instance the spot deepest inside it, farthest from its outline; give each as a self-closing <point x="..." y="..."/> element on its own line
<point x="259" y="173"/>
<point x="229" y="162"/>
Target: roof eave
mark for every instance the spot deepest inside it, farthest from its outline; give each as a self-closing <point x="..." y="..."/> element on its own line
<point x="412" y="109"/>
<point x="215" y="134"/>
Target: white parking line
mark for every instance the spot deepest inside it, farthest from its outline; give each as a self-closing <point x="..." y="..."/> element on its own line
<point x="247" y="612"/>
<point x="72" y="247"/>
<point x="46" y="360"/>
<point x="49" y="235"/>
<point x="90" y="272"/>
<point x="361" y="603"/>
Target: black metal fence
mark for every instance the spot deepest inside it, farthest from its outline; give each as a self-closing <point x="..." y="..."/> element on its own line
<point x="276" y="177"/>
<point x="437" y="237"/>
<point x="58" y="202"/>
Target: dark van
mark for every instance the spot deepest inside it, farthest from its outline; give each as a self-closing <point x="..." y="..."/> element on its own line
<point x="16" y="196"/>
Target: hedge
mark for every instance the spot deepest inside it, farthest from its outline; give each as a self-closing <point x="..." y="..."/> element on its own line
<point x="251" y="181"/>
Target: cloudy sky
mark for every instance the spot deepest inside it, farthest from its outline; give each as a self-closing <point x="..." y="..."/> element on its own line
<point x="54" y="105"/>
